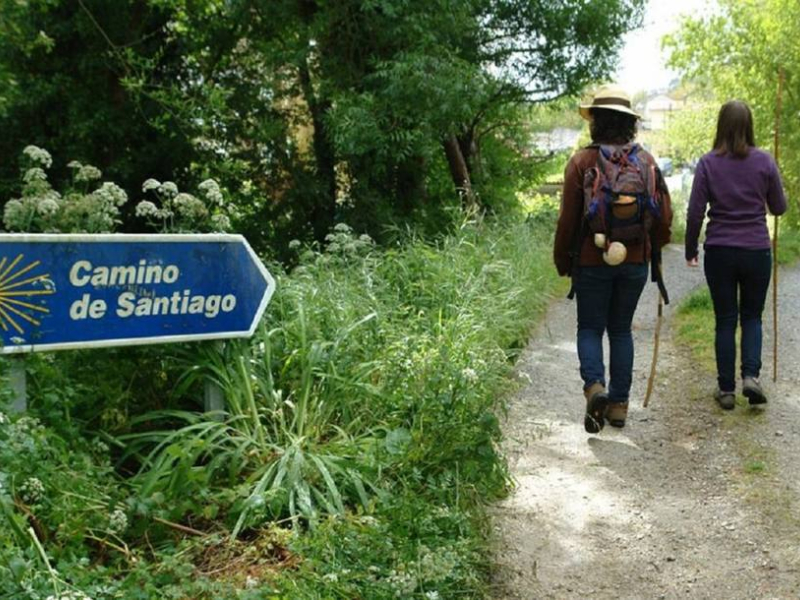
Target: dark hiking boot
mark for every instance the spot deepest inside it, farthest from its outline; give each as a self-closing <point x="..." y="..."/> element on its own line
<point x="596" y="402"/>
<point x="752" y="391"/>
<point x="726" y="400"/>
<point x="616" y="413"/>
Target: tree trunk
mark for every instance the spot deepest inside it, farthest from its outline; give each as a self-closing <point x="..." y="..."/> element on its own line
<point x="325" y="212"/>
<point x="459" y="171"/>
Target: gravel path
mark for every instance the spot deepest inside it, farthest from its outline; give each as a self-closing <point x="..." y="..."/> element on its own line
<point x="686" y="501"/>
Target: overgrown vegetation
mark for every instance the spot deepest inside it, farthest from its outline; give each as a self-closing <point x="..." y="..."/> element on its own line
<point x="358" y="446"/>
<point x="378" y="113"/>
<point x="759" y="44"/>
<point x="378" y="154"/>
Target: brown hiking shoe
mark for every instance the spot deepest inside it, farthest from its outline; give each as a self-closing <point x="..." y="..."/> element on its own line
<point x="596" y="402"/>
<point x="616" y="413"/>
<point x="726" y="400"/>
<point x="752" y="391"/>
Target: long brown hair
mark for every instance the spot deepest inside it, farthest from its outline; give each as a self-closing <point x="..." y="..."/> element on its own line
<point x="734" y="130"/>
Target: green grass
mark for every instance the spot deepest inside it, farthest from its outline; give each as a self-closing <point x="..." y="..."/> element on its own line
<point x="694" y="322"/>
<point x="355" y="457"/>
<point x="788" y="245"/>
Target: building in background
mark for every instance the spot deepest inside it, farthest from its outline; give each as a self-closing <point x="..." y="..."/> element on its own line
<point x="659" y="109"/>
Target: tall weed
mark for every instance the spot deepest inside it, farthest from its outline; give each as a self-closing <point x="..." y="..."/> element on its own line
<point x="371" y="368"/>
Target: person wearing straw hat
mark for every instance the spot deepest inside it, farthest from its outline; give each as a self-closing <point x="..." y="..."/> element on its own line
<point x="608" y="278"/>
<point x="739" y="183"/>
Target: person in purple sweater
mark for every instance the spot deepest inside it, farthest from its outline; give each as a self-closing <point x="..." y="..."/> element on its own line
<point x="738" y="183"/>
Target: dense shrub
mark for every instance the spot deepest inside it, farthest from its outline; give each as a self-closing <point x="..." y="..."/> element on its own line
<point x="368" y="398"/>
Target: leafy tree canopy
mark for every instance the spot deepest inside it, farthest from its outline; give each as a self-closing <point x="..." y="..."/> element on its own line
<point x="739" y="53"/>
<point x="308" y="112"/>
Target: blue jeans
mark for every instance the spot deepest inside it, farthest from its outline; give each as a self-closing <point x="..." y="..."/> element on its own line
<point x="738" y="279"/>
<point x="607" y="298"/>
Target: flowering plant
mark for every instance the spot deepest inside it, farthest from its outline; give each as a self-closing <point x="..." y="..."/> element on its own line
<point x="178" y="211"/>
<point x="81" y="210"/>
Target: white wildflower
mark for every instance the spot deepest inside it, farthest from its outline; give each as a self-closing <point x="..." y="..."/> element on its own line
<point x="69" y="595"/>
<point x="3" y="418"/>
<point x="26" y="424"/>
<point x="294" y="244"/>
<point x="15" y="214"/>
<point x="189" y="206"/>
<point x="151" y="184"/>
<point x="434" y="595"/>
<point x="251" y="582"/>
<point x="145" y="208"/>
<point x="168" y="188"/>
<point x="212" y="192"/>
<point x="183" y="199"/>
<point x="164" y="213"/>
<point x="221" y="222"/>
<point x="111" y="194"/>
<point x="74" y="164"/>
<point x="330" y="577"/>
<point x="365" y="239"/>
<point x="118" y="521"/>
<point x="470" y="375"/>
<point x="100" y="446"/>
<point x="32" y="490"/>
<point x="38" y="155"/>
<point x="47" y="207"/>
<point x="342" y="228"/>
<point x="34" y="174"/>
<point x="88" y="173"/>
<point x="403" y="583"/>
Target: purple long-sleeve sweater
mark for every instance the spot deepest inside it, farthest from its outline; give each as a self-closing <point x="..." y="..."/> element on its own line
<point x="738" y="190"/>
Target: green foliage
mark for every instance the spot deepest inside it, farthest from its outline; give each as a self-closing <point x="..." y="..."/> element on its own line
<point x="306" y="113"/>
<point x="690" y="133"/>
<point x="79" y="210"/>
<point x="179" y="212"/>
<point x="358" y="443"/>
<point x="695" y="326"/>
<point x="788" y="246"/>
<point x="379" y="360"/>
<point x="58" y="493"/>
<point x="738" y="52"/>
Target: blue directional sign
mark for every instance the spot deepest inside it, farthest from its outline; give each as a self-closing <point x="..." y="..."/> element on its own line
<point x="79" y="291"/>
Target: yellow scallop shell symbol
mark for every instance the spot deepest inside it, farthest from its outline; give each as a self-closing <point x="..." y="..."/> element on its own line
<point x="15" y="289"/>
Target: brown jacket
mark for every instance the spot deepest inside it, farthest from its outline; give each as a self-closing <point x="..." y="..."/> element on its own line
<point x="570" y="217"/>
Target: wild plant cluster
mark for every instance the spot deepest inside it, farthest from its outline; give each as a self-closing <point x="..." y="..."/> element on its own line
<point x="358" y="443"/>
<point x="88" y="206"/>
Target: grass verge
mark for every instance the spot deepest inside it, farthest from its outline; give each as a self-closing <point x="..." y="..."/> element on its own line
<point x="355" y="456"/>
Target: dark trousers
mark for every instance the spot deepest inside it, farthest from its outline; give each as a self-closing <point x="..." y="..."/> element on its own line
<point x="607" y="298"/>
<point x="738" y="279"/>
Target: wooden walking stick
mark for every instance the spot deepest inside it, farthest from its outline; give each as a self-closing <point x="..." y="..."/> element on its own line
<point x="652" y="377"/>
<point x="776" y="141"/>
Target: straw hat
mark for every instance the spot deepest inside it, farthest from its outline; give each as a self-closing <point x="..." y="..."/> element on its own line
<point x="609" y="97"/>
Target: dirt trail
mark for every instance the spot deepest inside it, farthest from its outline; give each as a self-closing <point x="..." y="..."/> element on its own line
<point x="686" y="501"/>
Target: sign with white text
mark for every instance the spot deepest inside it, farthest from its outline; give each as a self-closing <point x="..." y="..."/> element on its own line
<point x="78" y="291"/>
